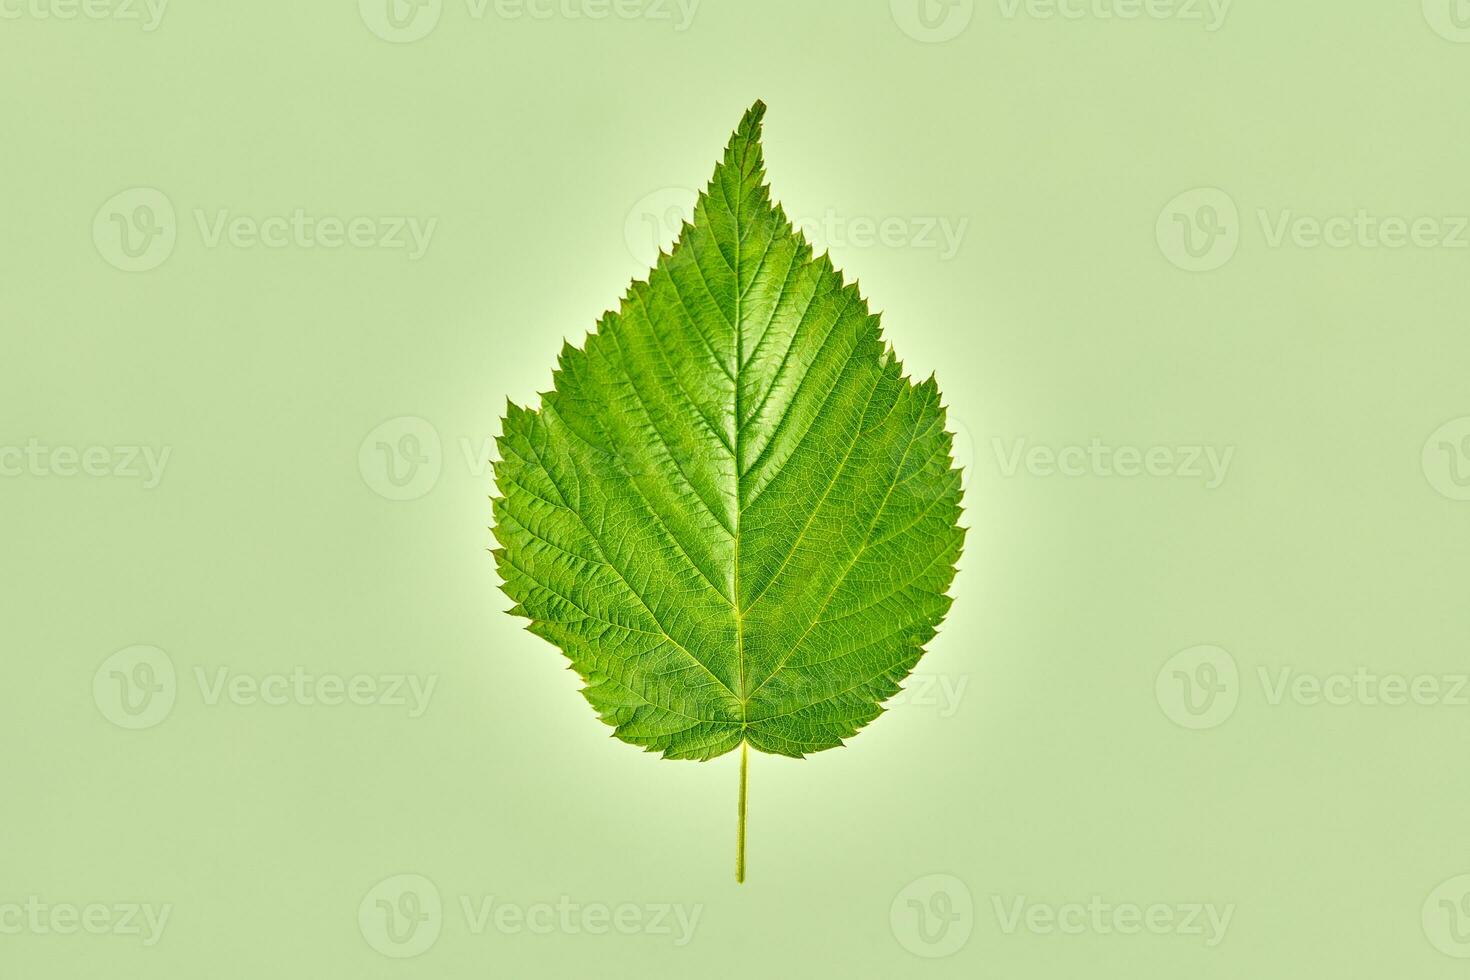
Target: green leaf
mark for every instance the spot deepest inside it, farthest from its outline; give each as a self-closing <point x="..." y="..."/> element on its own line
<point x="733" y="512"/>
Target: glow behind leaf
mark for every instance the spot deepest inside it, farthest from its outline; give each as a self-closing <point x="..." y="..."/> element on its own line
<point x="733" y="512"/>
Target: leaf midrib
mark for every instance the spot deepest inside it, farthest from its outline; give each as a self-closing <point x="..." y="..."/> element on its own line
<point x="743" y="697"/>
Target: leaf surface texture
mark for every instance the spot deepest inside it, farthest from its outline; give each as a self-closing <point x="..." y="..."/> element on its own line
<point x="733" y="512"/>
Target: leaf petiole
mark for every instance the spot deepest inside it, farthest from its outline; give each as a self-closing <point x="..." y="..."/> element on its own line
<point x="740" y="833"/>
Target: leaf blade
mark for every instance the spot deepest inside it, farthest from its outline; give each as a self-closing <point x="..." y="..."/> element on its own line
<point x="727" y="491"/>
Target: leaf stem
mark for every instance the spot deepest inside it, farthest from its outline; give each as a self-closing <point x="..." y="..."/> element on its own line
<point x="740" y="833"/>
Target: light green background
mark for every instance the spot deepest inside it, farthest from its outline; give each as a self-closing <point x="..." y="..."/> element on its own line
<point x="1057" y="775"/>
